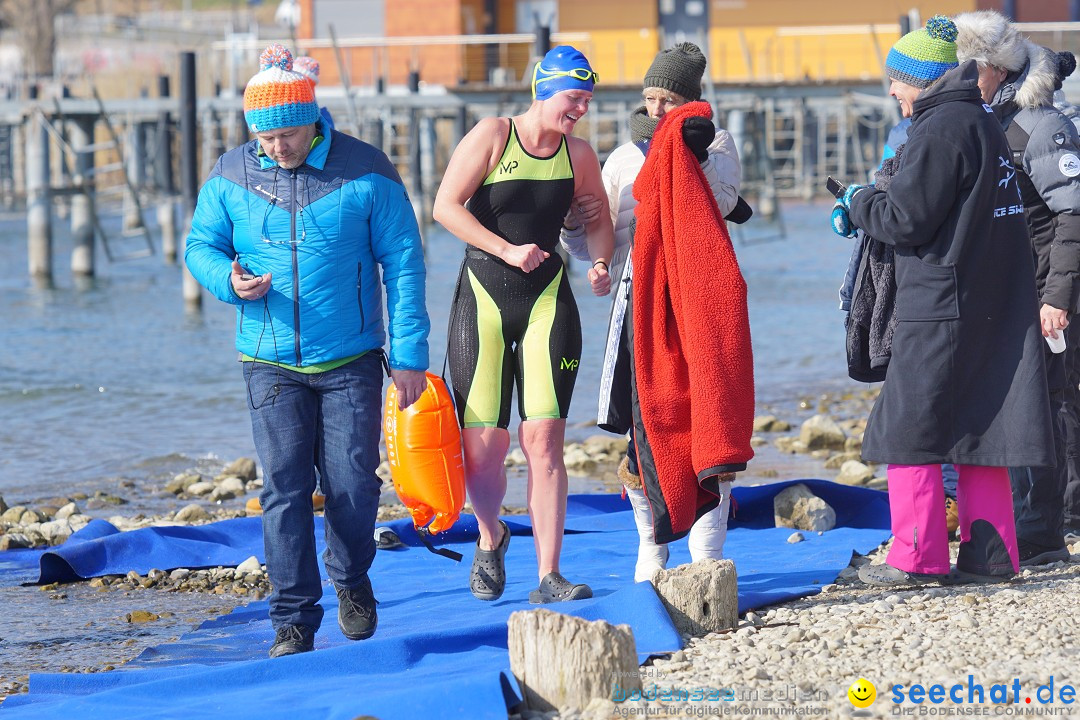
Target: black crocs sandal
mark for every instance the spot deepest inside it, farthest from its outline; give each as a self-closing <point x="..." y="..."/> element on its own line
<point x="387" y="539"/>
<point x="555" y="588"/>
<point x="487" y="580"/>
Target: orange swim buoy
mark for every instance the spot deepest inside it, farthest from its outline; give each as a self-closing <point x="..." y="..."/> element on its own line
<point x="423" y="448"/>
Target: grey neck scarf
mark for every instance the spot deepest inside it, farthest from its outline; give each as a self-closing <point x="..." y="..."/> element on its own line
<point x="642" y="126"/>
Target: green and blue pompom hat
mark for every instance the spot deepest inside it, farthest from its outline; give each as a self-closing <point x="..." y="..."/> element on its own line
<point x="922" y="56"/>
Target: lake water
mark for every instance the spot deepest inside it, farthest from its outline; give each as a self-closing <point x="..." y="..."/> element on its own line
<point x="116" y="385"/>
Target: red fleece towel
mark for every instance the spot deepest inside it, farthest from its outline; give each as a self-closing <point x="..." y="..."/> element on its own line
<point x="692" y="356"/>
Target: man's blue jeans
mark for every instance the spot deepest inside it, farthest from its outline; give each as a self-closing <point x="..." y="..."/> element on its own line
<point x="300" y="422"/>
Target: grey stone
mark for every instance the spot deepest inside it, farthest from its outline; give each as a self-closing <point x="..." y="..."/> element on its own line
<point x="836" y="461"/>
<point x="243" y="468"/>
<point x="599" y="709"/>
<point x="192" y="513"/>
<point x="30" y="516"/>
<point x="13" y="514"/>
<point x="790" y="445"/>
<point x="562" y="661"/>
<point x="797" y="507"/>
<point x="182" y="482"/>
<point x="577" y="459"/>
<point x="232" y="484"/>
<point x="854" y="472"/>
<point x="55" y="532"/>
<point x="78" y="522"/>
<point x="795" y="537"/>
<point x="611" y="445"/>
<point x="700" y="597"/>
<point x="770" y="423"/>
<point x="821" y="431"/>
<point x="15" y="541"/>
<point x="67" y="511"/>
<point x="3" y="505"/>
<point x="251" y="565"/>
<point x="218" y="494"/>
<point x="200" y="488"/>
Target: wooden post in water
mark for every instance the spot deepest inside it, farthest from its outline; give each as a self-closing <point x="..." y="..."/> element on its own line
<point x="461" y="123"/>
<point x="38" y="200"/>
<point x="427" y="145"/>
<point x="416" y="177"/>
<point x="136" y="170"/>
<point x="189" y="164"/>
<point x="166" y="211"/>
<point x="82" y="203"/>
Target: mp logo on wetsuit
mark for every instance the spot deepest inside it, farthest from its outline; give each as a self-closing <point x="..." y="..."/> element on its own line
<point x="570" y="365"/>
<point x="508" y="167"/>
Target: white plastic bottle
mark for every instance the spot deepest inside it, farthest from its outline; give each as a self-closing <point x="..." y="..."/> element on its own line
<point x="1057" y="344"/>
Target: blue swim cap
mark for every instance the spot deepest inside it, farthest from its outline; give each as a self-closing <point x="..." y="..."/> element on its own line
<point x="563" y="68"/>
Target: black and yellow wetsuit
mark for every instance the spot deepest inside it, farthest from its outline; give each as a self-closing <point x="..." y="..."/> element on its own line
<point x="508" y="325"/>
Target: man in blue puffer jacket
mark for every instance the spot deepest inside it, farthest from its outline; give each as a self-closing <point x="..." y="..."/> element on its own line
<point x="293" y="228"/>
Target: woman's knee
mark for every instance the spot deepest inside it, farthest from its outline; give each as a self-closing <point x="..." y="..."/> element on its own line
<point x="485" y="449"/>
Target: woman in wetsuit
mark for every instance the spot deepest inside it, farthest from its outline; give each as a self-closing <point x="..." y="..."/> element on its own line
<point x="506" y="190"/>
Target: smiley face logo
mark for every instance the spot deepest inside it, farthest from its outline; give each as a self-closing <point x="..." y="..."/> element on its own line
<point x="862" y="693"/>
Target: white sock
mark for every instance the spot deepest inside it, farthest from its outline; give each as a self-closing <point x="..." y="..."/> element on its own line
<point x="651" y="557"/>
<point x="709" y="532"/>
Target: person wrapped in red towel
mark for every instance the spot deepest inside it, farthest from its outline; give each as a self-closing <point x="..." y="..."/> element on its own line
<point x="693" y="370"/>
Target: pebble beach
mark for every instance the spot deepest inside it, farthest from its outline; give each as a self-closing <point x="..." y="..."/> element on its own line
<point x="793" y="659"/>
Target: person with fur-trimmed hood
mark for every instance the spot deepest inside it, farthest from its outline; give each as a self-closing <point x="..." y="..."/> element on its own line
<point x="1017" y="79"/>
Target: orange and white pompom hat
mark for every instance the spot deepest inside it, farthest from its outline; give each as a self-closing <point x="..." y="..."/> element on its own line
<point x="308" y="67"/>
<point x="277" y="96"/>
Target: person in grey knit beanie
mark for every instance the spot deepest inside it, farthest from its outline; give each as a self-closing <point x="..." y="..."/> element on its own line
<point x="678" y="69"/>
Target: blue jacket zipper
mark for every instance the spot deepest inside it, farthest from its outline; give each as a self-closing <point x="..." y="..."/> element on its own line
<point x="295" y="270"/>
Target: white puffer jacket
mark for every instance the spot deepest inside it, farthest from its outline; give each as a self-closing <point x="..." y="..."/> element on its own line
<point x="722" y="170"/>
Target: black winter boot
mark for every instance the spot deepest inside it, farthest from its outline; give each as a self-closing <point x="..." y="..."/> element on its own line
<point x="984" y="557"/>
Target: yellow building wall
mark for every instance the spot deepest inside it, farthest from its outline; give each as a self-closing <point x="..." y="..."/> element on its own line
<point x="751" y="40"/>
<point x="743" y="13"/>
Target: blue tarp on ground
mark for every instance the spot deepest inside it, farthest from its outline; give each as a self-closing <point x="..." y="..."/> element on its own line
<point x="438" y="651"/>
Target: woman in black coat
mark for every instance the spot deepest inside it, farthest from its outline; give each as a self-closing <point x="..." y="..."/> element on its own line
<point x="966" y="383"/>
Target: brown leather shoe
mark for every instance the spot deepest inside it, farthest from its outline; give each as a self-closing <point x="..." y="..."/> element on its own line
<point x="952" y="518"/>
<point x="253" y="506"/>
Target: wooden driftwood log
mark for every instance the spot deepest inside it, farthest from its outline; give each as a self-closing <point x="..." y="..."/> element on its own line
<point x="562" y="661"/>
<point x="701" y="597"/>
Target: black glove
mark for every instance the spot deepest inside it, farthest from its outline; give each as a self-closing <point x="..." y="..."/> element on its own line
<point x="698" y="134"/>
<point x="740" y="213"/>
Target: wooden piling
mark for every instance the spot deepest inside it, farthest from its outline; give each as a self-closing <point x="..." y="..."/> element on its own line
<point x="427" y="144"/>
<point x="135" y="158"/>
<point x="166" y="212"/>
<point x="189" y="164"/>
<point x="81" y="134"/>
<point x="38" y="201"/>
<point x="461" y="123"/>
<point x="416" y="177"/>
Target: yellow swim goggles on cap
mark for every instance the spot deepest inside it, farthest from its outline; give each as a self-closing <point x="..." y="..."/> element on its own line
<point x="582" y="74"/>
